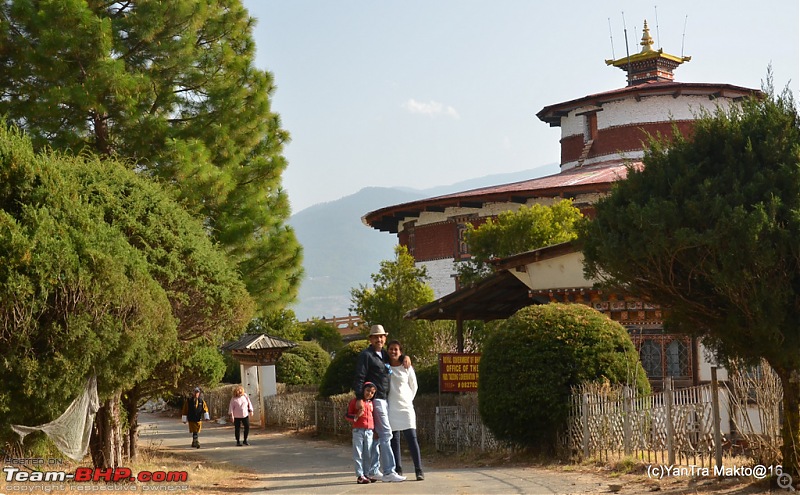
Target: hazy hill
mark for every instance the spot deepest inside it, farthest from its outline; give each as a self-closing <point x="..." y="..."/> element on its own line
<point x="341" y="253"/>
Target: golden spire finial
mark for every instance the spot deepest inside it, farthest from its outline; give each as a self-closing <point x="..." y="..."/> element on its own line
<point x="647" y="40"/>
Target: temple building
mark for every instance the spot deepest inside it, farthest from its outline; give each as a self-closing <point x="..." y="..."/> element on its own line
<point x="601" y="135"/>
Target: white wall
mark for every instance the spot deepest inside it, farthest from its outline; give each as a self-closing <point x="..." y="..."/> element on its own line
<point x="441" y="274"/>
<point x="648" y="109"/>
<point x="252" y="388"/>
<point x="706" y="360"/>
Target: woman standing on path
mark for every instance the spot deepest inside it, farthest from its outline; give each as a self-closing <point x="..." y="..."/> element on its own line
<point x="402" y="390"/>
<point x="240" y="410"/>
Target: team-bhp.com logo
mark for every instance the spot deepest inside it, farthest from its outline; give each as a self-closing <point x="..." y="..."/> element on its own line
<point x="83" y="474"/>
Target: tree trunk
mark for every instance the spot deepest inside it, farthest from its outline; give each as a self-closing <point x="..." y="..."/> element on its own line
<point x="105" y="444"/>
<point x="790" y="432"/>
<point x="130" y="402"/>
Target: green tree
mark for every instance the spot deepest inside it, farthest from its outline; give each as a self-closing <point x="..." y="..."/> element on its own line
<point x="710" y="227"/>
<point x="529" y="367"/>
<point x="171" y="88"/>
<point x="101" y="272"/>
<point x="512" y="232"/>
<point x="325" y="334"/>
<point x="398" y="287"/>
<point x="281" y="323"/>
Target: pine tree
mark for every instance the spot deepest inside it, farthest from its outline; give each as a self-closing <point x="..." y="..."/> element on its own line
<point x="171" y="89"/>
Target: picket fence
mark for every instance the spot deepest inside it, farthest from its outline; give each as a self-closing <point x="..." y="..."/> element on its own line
<point x="674" y="427"/>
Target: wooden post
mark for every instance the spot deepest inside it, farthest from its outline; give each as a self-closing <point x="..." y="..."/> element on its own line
<point x="585" y="422"/>
<point x="668" y="421"/>
<point x="716" y="418"/>
<point x="627" y="399"/>
<point x="459" y="333"/>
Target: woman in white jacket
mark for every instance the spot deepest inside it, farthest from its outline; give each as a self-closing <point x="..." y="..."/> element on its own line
<point x="402" y="418"/>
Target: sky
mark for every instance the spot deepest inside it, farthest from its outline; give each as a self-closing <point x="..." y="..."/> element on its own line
<point x="426" y="93"/>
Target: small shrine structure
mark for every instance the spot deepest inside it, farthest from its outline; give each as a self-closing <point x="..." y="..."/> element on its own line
<point x="257" y="354"/>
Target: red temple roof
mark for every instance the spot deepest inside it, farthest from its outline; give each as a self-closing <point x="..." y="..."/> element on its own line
<point x="595" y="178"/>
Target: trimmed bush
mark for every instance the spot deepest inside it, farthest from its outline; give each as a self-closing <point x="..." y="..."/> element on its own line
<point x="529" y="365"/>
<point x="428" y="379"/>
<point x="292" y="369"/>
<point x="339" y="377"/>
<point x="316" y="357"/>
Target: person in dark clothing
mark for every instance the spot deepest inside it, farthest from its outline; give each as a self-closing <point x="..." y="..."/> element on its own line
<point x="373" y="366"/>
<point x="194" y="412"/>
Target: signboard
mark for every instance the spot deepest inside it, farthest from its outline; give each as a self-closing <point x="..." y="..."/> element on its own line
<point x="458" y="372"/>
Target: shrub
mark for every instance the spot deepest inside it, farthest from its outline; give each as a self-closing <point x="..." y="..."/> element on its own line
<point x="428" y="379"/>
<point x="293" y="370"/>
<point x="339" y="377"/>
<point x="528" y="367"/>
<point x="316" y="357"/>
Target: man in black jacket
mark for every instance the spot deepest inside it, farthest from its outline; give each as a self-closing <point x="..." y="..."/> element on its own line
<point x="373" y="366"/>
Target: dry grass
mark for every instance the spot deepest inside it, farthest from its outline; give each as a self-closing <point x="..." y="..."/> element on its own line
<point x="203" y="477"/>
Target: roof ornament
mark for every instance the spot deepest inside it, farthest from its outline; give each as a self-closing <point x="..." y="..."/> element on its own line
<point x="647" y="40"/>
<point x="649" y="65"/>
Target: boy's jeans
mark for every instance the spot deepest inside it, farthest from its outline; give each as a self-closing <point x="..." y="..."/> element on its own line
<point x="362" y="443"/>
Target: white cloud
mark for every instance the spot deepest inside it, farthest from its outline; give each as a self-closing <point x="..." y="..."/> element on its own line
<point x="431" y="108"/>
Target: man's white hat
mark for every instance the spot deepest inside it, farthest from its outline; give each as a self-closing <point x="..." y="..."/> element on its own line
<point x="377" y="330"/>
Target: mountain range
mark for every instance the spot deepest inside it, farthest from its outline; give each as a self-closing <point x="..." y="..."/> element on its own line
<point x="341" y="253"/>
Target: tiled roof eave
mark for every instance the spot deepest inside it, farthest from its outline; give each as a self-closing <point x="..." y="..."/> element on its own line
<point x="568" y="183"/>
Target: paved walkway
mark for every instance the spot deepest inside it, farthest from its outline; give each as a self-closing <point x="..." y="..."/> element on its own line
<point x="289" y="465"/>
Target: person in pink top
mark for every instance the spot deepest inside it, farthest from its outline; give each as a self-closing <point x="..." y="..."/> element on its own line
<point x="240" y="410"/>
<point x="359" y="414"/>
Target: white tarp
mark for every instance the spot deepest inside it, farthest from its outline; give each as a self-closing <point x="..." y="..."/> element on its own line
<point x="73" y="429"/>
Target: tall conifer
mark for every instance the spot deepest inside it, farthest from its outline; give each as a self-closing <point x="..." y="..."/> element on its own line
<point x="171" y="88"/>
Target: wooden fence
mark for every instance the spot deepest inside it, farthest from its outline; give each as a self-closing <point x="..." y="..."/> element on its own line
<point x="675" y="427"/>
<point x="681" y="427"/>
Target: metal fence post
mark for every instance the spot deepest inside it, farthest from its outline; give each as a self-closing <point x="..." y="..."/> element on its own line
<point x="436" y="429"/>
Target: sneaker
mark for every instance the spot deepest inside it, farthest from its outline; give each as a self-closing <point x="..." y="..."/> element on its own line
<point x="372" y="479"/>
<point x="246" y="442"/>
<point x="420" y="475"/>
<point x="238" y="443"/>
<point x="363" y="480"/>
<point x="392" y="478"/>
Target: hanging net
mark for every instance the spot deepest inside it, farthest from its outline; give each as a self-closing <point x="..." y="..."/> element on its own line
<point x="73" y="429"/>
